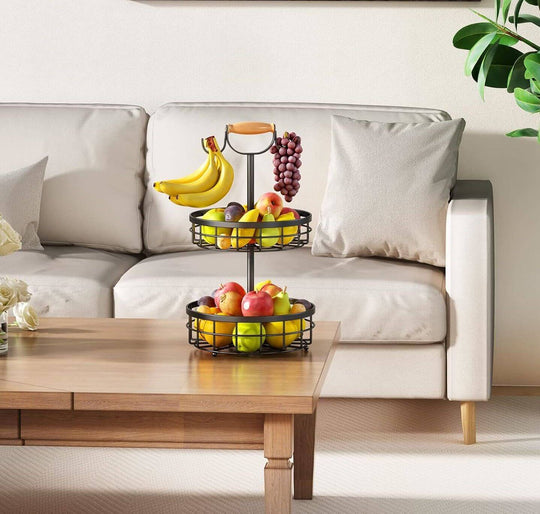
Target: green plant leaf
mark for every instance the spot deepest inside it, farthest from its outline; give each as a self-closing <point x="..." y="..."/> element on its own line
<point x="516" y="77"/>
<point x="497" y="9"/>
<point x="477" y="51"/>
<point x="501" y="66"/>
<point x="526" y="18"/>
<point x="516" y="12"/>
<point x="505" y="9"/>
<point x="532" y="66"/>
<point x="485" y="66"/>
<point x="535" y="87"/>
<point x="532" y="2"/>
<point x="505" y="30"/>
<point x="526" y="100"/>
<point x="468" y="36"/>
<point x="526" y="132"/>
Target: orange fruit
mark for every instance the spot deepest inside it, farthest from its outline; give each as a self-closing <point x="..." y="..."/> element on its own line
<point x="204" y="309"/>
<point x="218" y="333"/>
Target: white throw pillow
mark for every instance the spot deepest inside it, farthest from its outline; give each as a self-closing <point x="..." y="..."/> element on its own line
<point x="388" y="189"/>
<point x="20" y="201"/>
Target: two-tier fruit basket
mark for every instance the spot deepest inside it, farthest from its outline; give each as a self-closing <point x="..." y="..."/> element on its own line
<point x="221" y="334"/>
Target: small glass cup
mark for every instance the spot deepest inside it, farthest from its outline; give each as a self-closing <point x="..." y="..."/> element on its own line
<point x="3" y="333"/>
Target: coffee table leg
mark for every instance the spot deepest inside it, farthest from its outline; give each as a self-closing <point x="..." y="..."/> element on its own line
<point x="278" y="441"/>
<point x="304" y="452"/>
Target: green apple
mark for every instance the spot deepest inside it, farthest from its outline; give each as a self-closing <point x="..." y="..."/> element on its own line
<point x="248" y="337"/>
<point x="282" y="304"/>
<point x="214" y="215"/>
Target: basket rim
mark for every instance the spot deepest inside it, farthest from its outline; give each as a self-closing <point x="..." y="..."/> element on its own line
<point x="221" y="318"/>
<point x="195" y="219"/>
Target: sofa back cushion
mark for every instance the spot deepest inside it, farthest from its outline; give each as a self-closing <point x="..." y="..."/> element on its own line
<point x="174" y="150"/>
<point x="93" y="185"/>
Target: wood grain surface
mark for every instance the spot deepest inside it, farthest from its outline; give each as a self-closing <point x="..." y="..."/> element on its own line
<point x="147" y="365"/>
<point x="126" y="427"/>
<point x="9" y="424"/>
<point x="134" y="444"/>
<point x="304" y="453"/>
<point x="16" y="395"/>
<point x="278" y="449"/>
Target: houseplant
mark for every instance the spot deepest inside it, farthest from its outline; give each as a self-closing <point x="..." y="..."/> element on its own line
<point x="493" y="61"/>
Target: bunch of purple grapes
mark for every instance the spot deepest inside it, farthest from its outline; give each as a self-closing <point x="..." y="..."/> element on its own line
<point x="287" y="151"/>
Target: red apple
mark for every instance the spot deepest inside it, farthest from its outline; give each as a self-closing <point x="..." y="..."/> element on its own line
<point x="271" y="289"/>
<point x="270" y="203"/>
<point x="285" y="210"/>
<point x="225" y="288"/>
<point x="230" y="303"/>
<point x="257" y="303"/>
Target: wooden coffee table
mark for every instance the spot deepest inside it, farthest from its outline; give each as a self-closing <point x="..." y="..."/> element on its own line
<point x="137" y="383"/>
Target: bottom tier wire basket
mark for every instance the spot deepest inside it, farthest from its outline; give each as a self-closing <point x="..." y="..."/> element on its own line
<point x="240" y="335"/>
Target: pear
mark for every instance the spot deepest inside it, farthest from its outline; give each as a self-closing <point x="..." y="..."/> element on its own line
<point x="281" y="303"/>
<point x="267" y="237"/>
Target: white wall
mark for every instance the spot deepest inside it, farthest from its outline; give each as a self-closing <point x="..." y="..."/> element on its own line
<point x="399" y="53"/>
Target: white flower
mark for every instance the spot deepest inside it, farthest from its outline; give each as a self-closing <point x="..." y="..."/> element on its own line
<point x="25" y="316"/>
<point x="21" y="290"/>
<point x="10" y="240"/>
<point x="8" y="295"/>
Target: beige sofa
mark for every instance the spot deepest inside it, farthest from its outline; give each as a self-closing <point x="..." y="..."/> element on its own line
<point x="115" y="247"/>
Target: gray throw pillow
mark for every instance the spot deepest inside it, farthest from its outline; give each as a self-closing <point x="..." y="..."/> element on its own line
<point x="20" y="201"/>
<point x="388" y="189"/>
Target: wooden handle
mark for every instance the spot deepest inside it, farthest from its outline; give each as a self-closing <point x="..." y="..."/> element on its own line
<point x="250" y="127"/>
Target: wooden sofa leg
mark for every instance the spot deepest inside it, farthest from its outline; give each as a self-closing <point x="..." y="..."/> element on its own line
<point x="468" y="422"/>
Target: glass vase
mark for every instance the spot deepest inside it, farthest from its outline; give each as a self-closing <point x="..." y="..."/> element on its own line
<point x="3" y="333"/>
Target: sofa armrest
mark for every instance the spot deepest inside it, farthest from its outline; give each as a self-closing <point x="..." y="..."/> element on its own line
<point x="470" y="291"/>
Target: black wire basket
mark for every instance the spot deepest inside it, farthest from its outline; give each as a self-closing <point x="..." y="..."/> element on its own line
<point x="246" y="236"/>
<point x="242" y="335"/>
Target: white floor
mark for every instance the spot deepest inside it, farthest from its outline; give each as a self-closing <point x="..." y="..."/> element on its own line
<point x="373" y="456"/>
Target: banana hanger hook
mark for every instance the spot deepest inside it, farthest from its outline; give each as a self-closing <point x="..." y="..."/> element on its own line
<point x="210" y="142"/>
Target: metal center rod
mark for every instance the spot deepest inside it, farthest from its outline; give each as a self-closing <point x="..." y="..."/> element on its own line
<point x="251" y="181"/>
<point x="250" y="204"/>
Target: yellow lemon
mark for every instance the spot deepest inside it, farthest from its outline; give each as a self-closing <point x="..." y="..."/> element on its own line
<point x="275" y="331"/>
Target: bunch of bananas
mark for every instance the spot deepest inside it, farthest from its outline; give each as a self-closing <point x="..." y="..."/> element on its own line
<point x="206" y="185"/>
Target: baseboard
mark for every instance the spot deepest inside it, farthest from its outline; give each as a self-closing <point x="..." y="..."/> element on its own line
<point x="515" y="390"/>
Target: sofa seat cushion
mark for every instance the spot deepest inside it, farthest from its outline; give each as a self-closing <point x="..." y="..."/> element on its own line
<point x="375" y="299"/>
<point x="67" y="281"/>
